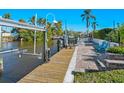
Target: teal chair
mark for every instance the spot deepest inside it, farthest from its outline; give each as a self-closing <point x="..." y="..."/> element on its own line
<point x="102" y="48"/>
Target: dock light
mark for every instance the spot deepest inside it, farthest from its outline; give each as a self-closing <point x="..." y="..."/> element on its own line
<point x="54" y="21"/>
<point x="39" y="57"/>
<point x="20" y="55"/>
<point x="46" y="59"/>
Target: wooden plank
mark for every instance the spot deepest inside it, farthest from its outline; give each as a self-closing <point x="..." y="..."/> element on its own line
<point x="51" y="72"/>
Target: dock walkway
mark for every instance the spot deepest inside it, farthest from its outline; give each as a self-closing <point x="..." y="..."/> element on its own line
<point x="51" y="72"/>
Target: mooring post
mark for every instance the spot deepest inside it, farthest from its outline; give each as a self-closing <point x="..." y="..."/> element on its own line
<point x="45" y="43"/>
<point x="45" y="47"/>
<point x="58" y="45"/>
<point x="43" y="55"/>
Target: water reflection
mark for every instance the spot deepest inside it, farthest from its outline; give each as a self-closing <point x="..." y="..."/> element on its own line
<point x="14" y="68"/>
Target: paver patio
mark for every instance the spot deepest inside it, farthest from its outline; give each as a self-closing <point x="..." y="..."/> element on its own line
<point x="85" y="58"/>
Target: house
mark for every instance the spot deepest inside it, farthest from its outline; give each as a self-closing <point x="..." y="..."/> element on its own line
<point x="6" y="36"/>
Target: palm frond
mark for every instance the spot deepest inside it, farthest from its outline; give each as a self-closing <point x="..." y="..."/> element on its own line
<point x="93" y="17"/>
<point x="87" y="11"/>
<point x="83" y="18"/>
<point x="82" y="15"/>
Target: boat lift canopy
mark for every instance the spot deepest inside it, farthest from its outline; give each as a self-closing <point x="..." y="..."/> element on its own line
<point x="12" y="23"/>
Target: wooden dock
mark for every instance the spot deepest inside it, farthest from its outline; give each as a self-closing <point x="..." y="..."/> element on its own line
<point x="52" y="72"/>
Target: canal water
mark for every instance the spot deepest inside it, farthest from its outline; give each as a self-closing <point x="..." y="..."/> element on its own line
<point x="14" y="67"/>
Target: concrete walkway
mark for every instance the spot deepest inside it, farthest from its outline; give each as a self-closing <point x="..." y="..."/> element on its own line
<point x="85" y="58"/>
<point x="69" y="77"/>
<point x="52" y="72"/>
<point x="82" y="60"/>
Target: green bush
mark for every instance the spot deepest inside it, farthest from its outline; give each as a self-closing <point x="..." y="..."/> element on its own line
<point x="115" y="76"/>
<point x="117" y="49"/>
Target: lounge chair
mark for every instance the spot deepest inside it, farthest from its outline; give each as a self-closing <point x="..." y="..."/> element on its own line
<point x="102" y="48"/>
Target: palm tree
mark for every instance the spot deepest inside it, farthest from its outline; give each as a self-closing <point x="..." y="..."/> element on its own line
<point x="18" y="30"/>
<point x="41" y="21"/>
<point x="58" y="26"/>
<point x="32" y="20"/>
<point x="21" y="20"/>
<point x="94" y="25"/>
<point x="87" y="16"/>
<point x="49" y="25"/>
<point x="7" y="16"/>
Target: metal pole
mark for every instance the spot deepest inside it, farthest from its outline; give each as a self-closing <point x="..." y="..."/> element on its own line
<point x="0" y="34"/>
<point x="66" y="36"/>
<point x="45" y="39"/>
<point x="35" y="35"/>
<point x="45" y="44"/>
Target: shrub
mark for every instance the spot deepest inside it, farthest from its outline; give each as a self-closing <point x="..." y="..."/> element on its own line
<point x="115" y="76"/>
<point x="117" y="49"/>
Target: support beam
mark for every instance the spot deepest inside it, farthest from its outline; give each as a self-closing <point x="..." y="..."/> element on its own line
<point x="45" y="48"/>
<point x="12" y="23"/>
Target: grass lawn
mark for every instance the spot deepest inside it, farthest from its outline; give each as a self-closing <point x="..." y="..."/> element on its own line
<point x="115" y="76"/>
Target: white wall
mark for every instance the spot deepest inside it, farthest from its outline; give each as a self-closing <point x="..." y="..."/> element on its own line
<point x="6" y="34"/>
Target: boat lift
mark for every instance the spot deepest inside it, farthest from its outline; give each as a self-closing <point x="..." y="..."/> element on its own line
<point x="12" y="23"/>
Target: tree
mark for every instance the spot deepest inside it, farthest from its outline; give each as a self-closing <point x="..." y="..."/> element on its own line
<point x="23" y="34"/>
<point x="22" y="20"/>
<point x="58" y="26"/>
<point x="87" y="16"/>
<point x="28" y="35"/>
<point x="32" y="20"/>
<point x="7" y="16"/>
<point x="94" y="25"/>
<point x="103" y="33"/>
<point x="41" y="21"/>
<point x="120" y="31"/>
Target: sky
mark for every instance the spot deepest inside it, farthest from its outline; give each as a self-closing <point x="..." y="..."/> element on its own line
<point x="104" y="17"/>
